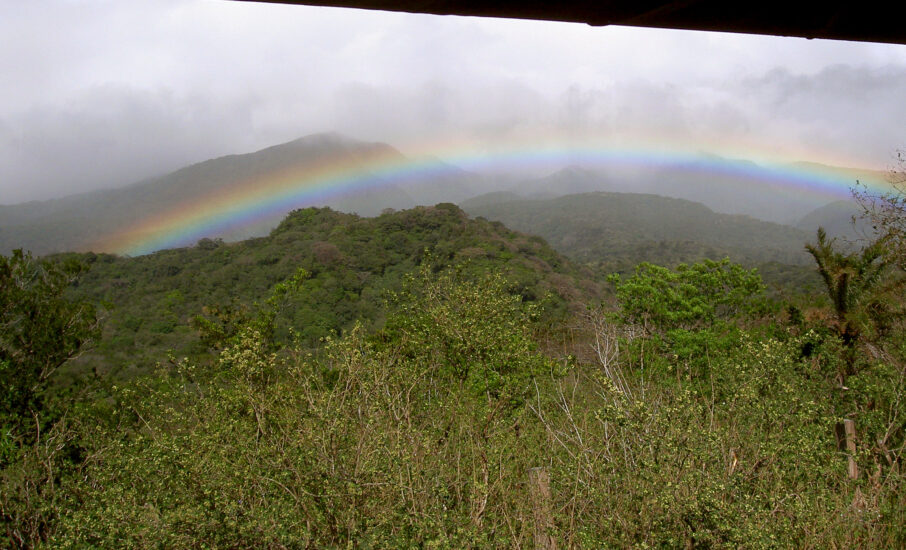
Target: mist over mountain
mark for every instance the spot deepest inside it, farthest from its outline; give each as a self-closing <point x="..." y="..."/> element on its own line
<point x="730" y="186"/>
<point x="87" y="221"/>
<point x="840" y="219"/>
<point x="79" y="222"/>
<point x="628" y="228"/>
<point x="570" y="181"/>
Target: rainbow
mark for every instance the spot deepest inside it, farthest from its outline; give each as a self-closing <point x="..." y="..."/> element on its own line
<point x="244" y="203"/>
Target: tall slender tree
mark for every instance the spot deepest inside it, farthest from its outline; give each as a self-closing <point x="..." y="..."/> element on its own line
<point x="861" y="288"/>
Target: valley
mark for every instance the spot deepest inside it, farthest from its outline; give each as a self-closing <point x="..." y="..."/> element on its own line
<point x="224" y="355"/>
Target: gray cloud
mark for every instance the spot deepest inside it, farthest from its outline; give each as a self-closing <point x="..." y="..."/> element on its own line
<point x="856" y="110"/>
<point x="435" y="109"/>
<point x="112" y="136"/>
<point x="108" y="93"/>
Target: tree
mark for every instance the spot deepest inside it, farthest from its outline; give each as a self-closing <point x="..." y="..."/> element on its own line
<point x="468" y="329"/>
<point x="692" y="297"/>
<point x="861" y="289"/>
<point x="691" y="312"/>
<point x="285" y="448"/>
<point x="218" y="326"/>
<point x="40" y="328"/>
<point x="886" y="211"/>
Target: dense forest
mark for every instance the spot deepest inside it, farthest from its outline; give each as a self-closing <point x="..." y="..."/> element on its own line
<point x="423" y="379"/>
<point x="158" y="302"/>
<point x="718" y="209"/>
<point x="613" y="232"/>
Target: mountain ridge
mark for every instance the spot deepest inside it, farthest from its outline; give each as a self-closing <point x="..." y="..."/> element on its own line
<point x="600" y="227"/>
<point x="80" y="222"/>
<point x="77" y="222"/>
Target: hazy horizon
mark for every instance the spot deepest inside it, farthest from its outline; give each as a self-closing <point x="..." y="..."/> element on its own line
<point x="109" y="94"/>
<point x="481" y="167"/>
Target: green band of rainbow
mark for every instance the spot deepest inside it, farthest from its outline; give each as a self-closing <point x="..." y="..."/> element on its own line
<point x="250" y="201"/>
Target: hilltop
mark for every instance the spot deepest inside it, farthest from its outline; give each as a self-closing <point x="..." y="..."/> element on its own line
<point x="781" y="193"/>
<point x="252" y="192"/>
<point x="352" y="262"/>
<point x="82" y="222"/>
<point x="619" y="230"/>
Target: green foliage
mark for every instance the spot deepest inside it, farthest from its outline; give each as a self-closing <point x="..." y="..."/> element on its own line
<point x="40" y="329"/>
<point x="690" y="297"/>
<point x="351" y="262"/>
<point x="351" y="389"/>
<point x="690" y="313"/>
<point x="352" y="447"/>
<point x="422" y="435"/>
<point x="752" y="465"/>
<point x="218" y="326"/>
<point x="861" y="288"/>
<point x="35" y="483"/>
<point x="616" y="231"/>
<point x="469" y="330"/>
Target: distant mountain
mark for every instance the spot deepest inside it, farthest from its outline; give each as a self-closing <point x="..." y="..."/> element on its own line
<point x="622" y="229"/>
<point x="78" y="222"/>
<point x="781" y="194"/>
<point x="391" y="180"/>
<point x="441" y="182"/>
<point x="840" y="219"/>
<point x="568" y="181"/>
<point x="736" y="187"/>
<point x="495" y="197"/>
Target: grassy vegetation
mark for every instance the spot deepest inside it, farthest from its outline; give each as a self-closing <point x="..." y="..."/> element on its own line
<point x="691" y="410"/>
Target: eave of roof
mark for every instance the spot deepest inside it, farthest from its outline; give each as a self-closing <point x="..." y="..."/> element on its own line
<point x="866" y="21"/>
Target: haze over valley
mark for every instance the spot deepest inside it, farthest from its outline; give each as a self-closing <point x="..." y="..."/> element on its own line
<point x="368" y="177"/>
<point x="283" y="276"/>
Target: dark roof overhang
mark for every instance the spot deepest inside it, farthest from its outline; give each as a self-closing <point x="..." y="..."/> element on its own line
<point x="867" y="21"/>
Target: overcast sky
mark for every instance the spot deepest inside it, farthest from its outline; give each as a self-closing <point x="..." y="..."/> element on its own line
<point x="100" y="93"/>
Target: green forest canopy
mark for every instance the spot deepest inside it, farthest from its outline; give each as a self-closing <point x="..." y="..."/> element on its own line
<point x="392" y="381"/>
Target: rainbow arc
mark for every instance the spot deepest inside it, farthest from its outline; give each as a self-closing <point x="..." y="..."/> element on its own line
<point x="250" y="201"/>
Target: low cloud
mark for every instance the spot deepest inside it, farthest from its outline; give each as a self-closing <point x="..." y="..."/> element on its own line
<point x="855" y="112"/>
<point x="112" y="137"/>
<point x="108" y="94"/>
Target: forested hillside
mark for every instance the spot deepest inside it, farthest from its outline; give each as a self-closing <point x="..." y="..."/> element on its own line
<point x="779" y="193"/>
<point x="352" y="262"/>
<point x="82" y="222"/>
<point x="422" y="379"/>
<point x="619" y="230"/>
